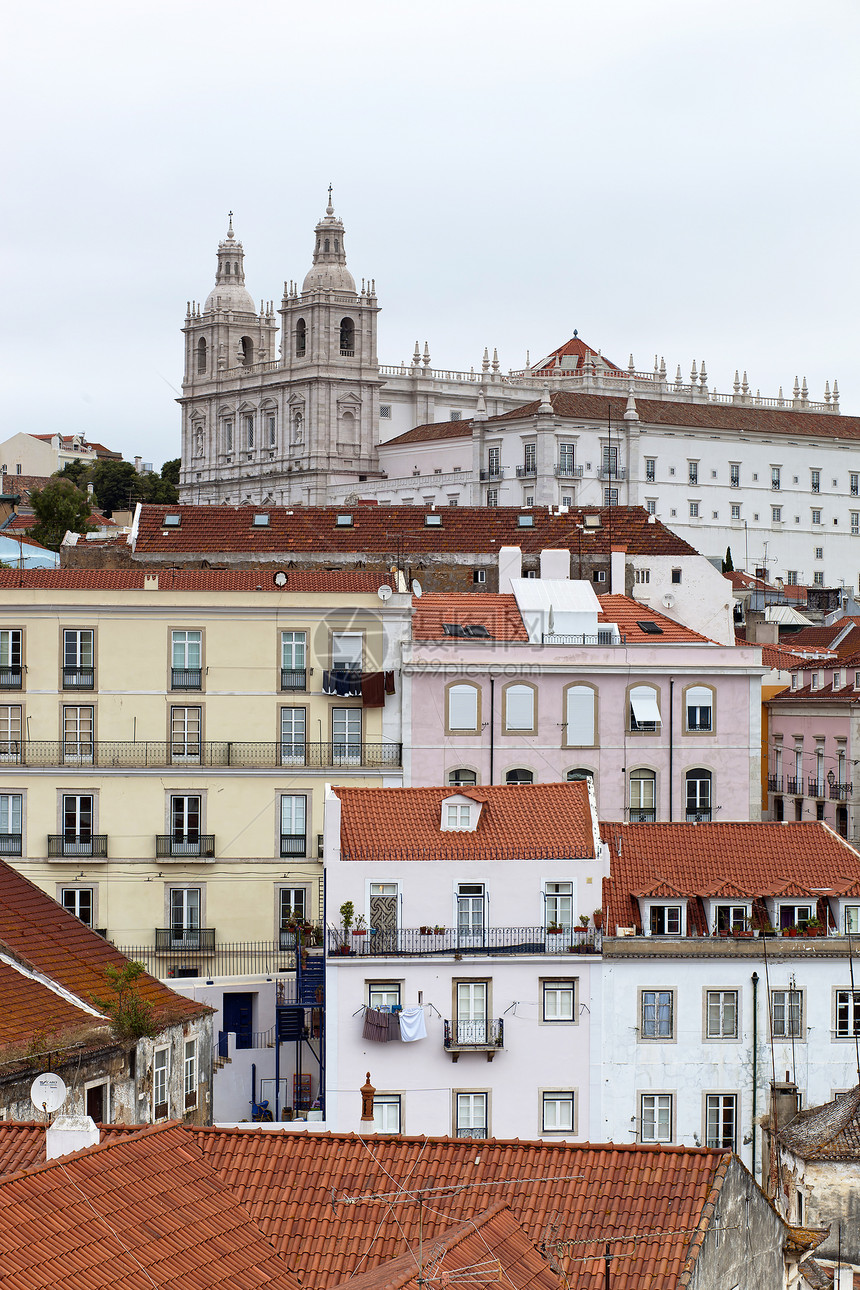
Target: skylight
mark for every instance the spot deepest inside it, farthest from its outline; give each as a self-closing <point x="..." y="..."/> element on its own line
<point x="261" y="521"/>
<point x="477" y="629"/>
<point x="453" y="629"/>
<point x="526" y="521"/>
<point x="172" y="521"/>
<point x="344" y="521"/>
<point x="433" y="520"/>
<point x="650" y="629"/>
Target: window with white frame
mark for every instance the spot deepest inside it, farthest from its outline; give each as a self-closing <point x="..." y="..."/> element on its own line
<point x="78" y="726"/>
<point x="294" y="810"/>
<point x="698" y="785"/>
<point x="775" y="478"/>
<point x="651" y="505"/>
<point x="347" y="651"/>
<point x="816" y="517"/>
<point x="387" y="1113"/>
<point x="471" y="1118"/>
<point x="731" y="918"/>
<point x="851" y="918"/>
<point x="557" y="1111"/>
<point x="815" y="481"/>
<point x="190" y="1073"/>
<point x="558" y="904"/>
<point x="847" y="1014"/>
<point x="665" y="920"/>
<point x="786" y="1013"/>
<point x="185" y="903"/>
<point x="293" y="729"/>
<point x="855" y="522"/>
<point x="458" y="816"/>
<point x="11" y="718"/>
<point x="293" y="660"/>
<point x="650" y="469"/>
<point x="185" y="729"/>
<point x="657" y="1014"/>
<point x="643" y="797"/>
<point x="580" y="716"/>
<point x="292" y="904"/>
<point x="11" y="823"/>
<point x="700" y="708"/>
<point x="78" y="658"/>
<point x="10" y="657"/>
<point x="383" y="994"/>
<point x="776" y="514"/>
<point x="558" y="1001"/>
<point x="655" y="1117"/>
<point x="734" y="475"/>
<point x="78" y="811"/>
<point x="736" y="512"/>
<point x="519" y="707"/>
<point x="721" y="1014"/>
<point x="160" y="1067"/>
<point x="721" y="1116"/>
<point x="185" y="818"/>
<point x="463" y="708"/>
<point x="610" y="497"/>
<point x="644" y="709"/>
<point x="78" y="901"/>
<point x="462" y="777"/>
<point x="694" y="510"/>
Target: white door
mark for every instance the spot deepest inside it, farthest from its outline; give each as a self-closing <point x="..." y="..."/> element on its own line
<point x="470" y="914"/>
<point x="346" y="736"/>
<point x="471" y="1012"/>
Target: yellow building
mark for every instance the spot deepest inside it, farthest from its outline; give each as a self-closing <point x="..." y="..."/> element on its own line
<point x="165" y="740"/>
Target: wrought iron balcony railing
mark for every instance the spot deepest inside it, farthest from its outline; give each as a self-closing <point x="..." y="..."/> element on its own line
<point x="293" y="844"/>
<point x="774" y="783"/>
<point x="840" y="792"/>
<point x="79" y="678"/>
<point x="700" y="816"/>
<point x="483" y="1036"/>
<point x="10" y="844"/>
<point x="794" y="786"/>
<point x="294" y="678"/>
<point x="185" y="938"/>
<point x="489" y="473"/>
<point x="186" y="678"/>
<point x="642" y="816"/>
<point x="817" y="788"/>
<point x="216" y="753"/>
<point x="472" y="1131"/>
<point x="200" y="844"/>
<point x="567" y="470"/>
<point x="11" y="678"/>
<point x="76" y="844"/>
<point x="423" y="942"/>
<point x="605" y="473"/>
<point x="526" y="472"/>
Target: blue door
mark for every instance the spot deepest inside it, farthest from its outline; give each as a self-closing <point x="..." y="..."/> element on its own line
<point x="239" y="1016"/>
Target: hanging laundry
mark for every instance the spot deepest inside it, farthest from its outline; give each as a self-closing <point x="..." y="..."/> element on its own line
<point x="389" y="682"/>
<point x="394" y="1026"/>
<point x="412" y="1025"/>
<point x="372" y="690"/>
<point x="376" y="1025"/>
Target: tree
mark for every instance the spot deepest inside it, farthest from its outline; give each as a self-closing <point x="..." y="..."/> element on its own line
<point x="115" y="484"/>
<point x="728" y="566"/>
<point x="131" y="1016"/>
<point x="154" y="488"/>
<point x="170" y="470"/>
<point x="77" y="471"/>
<point x="60" y="508"/>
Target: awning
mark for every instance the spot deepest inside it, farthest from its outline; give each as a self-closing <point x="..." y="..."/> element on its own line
<point x="644" y="705"/>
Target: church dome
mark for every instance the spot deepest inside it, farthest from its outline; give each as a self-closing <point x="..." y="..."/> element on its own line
<point x="329" y="277"/>
<point x="329" y="271"/>
<point x="230" y="295"/>
<point x="230" y="292"/>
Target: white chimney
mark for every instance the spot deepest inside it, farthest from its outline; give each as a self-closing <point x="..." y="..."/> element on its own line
<point x="843" y="1278"/>
<point x="150" y="582"/>
<point x="70" y="1133"/>
<point x="510" y="566"/>
<point x="555" y="564"/>
<point x="617" y="562"/>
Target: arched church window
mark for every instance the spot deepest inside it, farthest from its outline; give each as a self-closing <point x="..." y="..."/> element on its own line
<point x="236" y="269"/>
<point x="347" y="336"/>
<point x="201" y="355"/>
<point x="337" y="243"/>
<point x="246" y="351"/>
<point x="325" y="245"/>
<point x="301" y="338"/>
<point x="227" y="268"/>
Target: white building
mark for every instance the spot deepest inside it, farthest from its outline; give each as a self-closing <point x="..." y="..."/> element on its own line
<point x="468" y="923"/>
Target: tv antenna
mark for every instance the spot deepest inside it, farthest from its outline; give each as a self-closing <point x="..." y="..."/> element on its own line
<point x="48" y="1093"/>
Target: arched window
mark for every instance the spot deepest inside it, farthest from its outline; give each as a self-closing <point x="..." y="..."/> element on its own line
<point x="643" y="797"/>
<point x="520" y="776"/>
<point x="246" y="351"/>
<point x="201" y="355"/>
<point x="462" y="778"/>
<point x="580" y="773"/>
<point x="236" y="269"/>
<point x="301" y="338"/>
<point x="463" y="708"/>
<point x="337" y="243"/>
<point x="347" y="336"/>
<point x="698" y="795"/>
<point x="644" y="710"/>
<point x="580" y="710"/>
<point x="519" y="708"/>
<point x="699" y="708"/>
<point x="325" y="245"/>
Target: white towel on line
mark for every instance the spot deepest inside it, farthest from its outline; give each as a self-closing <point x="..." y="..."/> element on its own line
<point x="412" y="1025"/>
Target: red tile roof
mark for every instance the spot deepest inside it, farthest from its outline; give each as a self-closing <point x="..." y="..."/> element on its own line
<point x="431" y="431"/>
<point x="143" y="1210"/>
<point x="498" y="613"/>
<point x="697" y="859"/>
<point x="30" y="1007"/>
<point x="404" y="823"/>
<point x="628" y="613"/>
<point x="394" y="532"/>
<point x="574" y="348"/>
<point x="22" y="1143"/>
<point x="822" y="638"/>
<point x="171" y="580"/>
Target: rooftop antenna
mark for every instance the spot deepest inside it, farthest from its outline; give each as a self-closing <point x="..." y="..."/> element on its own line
<point x="48" y="1093"/>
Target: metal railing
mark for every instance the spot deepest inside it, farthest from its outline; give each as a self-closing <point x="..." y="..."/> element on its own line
<point x="11" y="678"/>
<point x="840" y="792"/>
<point x="526" y="472"/>
<point x="701" y="816"/>
<point x="488" y="473"/>
<point x="79" y="678"/>
<point x="166" y="845"/>
<point x="642" y="816"/>
<point x="294" y="678"/>
<point x="601" y="638"/>
<point x="185" y="938"/>
<point x="212" y="753"/>
<point x="10" y="844"/>
<point x="77" y="845"/>
<point x="240" y="958"/>
<point x="816" y="787"/>
<point x="474" y="1131"/>
<point x="794" y="786"/>
<point x="620" y="473"/>
<point x="774" y="783"/>
<point x="483" y="1034"/>
<point x="568" y="471"/>
<point x="294" y="844"/>
<point x="404" y="942"/>
<point x="186" y="678"/>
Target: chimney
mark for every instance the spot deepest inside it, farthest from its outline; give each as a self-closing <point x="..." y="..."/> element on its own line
<point x="510" y="566"/>
<point x="555" y="564"/>
<point x="784" y="1102"/>
<point x="150" y="582"/>
<point x="843" y="1277"/>
<point x="617" y="563"/>
<point x="138" y="465"/>
<point x="70" y="1133"/>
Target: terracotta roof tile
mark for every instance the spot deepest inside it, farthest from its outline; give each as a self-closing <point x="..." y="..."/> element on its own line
<point x="431" y="431"/>
<point x="827" y="1132"/>
<point x="628" y="614"/>
<point x="172" y="580"/>
<point x="498" y="613"/>
<point x="22" y="1143"/>
<point x="404" y="823"/>
<point x="577" y="349"/>
<point x="822" y="638"/>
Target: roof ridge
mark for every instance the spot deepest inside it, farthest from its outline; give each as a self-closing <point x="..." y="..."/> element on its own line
<point x="146" y="1130"/>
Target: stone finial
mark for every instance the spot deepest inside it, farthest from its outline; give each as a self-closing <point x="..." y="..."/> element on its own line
<point x="545" y="408"/>
<point x="662" y="368"/>
<point x="694" y="374"/>
<point x="703" y="376"/>
<point x="630" y="366"/>
<point x="804" y="392"/>
<point x="630" y="413"/>
<point x="426" y="354"/>
<point x="230" y="224"/>
<point x="745" y="385"/>
<point x="416" y="356"/>
<point x="737" y="382"/>
<point x="796" y="388"/>
<point x="495" y="360"/>
<point x="678" y="381"/>
<point x="329" y="210"/>
<point x="779" y="398"/>
<point x="826" y="391"/>
<point x="528" y="361"/>
<point x="481" y="408"/>
<point x="485" y="361"/>
<point x="835" y="395"/>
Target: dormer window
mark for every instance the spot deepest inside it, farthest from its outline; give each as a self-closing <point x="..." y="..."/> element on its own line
<point x="731" y="918"/>
<point x="814" y="680"/>
<point x="851" y="918"/>
<point x="837" y="680"/>
<point x="459" y="817"/>
<point x="459" y="814"/>
<point x="665" y="920"/>
<point x="794" y="915"/>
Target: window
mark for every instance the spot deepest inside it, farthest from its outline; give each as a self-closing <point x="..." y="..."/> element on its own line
<point x="529" y="458"/>
<point x="479" y="576"/>
<point x="272" y="425"/>
<point x="852" y="918"/>
<point x="458" y="816"/>
<point x="347" y="650"/>
<point x="694" y="472"/>
<point x="847" y="1014"/>
<point x="10" y="658"/>
<point x="343" y="521"/>
<point x="190" y="1073"/>
<point x="78" y="732"/>
<point x="698" y="784"/>
<point x="651" y="506"/>
<point x="463" y="709"/>
<point x="644" y="710"/>
<point x="736" y="512"/>
<point x="816" y="517"/>
<point x="786" y="1014"/>
<point x="78" y="670"/>
<point x="642" y="575"/>
<point x="526" y="521"/>
<point x="610" y="497"/>
<point x="228" y="436"/>
<point x="565" y="458"/>
<point x="346" y="736"/>
<point x="293" y="726"/>
<point x="665" y="920"/>
<point x="819" y="553"/>
<point x="558" y="1001"/>
<point x="818" y="578"/>
<point x="694" y="510"/>
<point x="855" y="522"/>
<point x="557" y="1112"/>
<point x="558" y="904"/>
<point x="185" y="724"/>
<point x="610" y="460"/>
<point x="470" y="912"/>
<point x="791" y="577"/>
<point x="185" y="917"/>
<point x="815" y="481"/>
<point x="731" y="918"/>
<point x="520" y="708"/>
<point x="655" y="1117"/>
<point x="301" y="338"/>
<point x="383" y="994"/>
<point x="11" y="813"/>
<point x="201" y="355"/>
<point x="721" y="1014"/>
<point x="385" y="411"/>
<point x="676" y="575"/>
<point x="347" y="337"/>
<point x="657" y="1014"/>
<point x="462" y="778"/>
<point x="775" y="478"/>
<point x="77" y="823"/>
<point x="293" y="824"/>
<point x="292" y="903"/>
<point x="78" y="901"/>
<point x="386" y="1113"/>
<point x="734" y="475"/>
<point x="721" y="1121"/>
<point x="159" y="1084"/>
<point x="643" y="793"/>
<point x="10" y="730"/>
<point x="700" y="708"/>
<point x="650" y="469"/>
<point x="186" y="660"/>
<point x="185" y="823"/>
<point x="776" y="514"/>
<point x="471" y="1115"/>
<point x="492" y="496"/>
<point x="293" y="660"/>
<point x="519" y="776"/>
<point x="580" y="716"/>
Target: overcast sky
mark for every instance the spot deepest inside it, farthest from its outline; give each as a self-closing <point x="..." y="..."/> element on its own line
<point x="669" y="177"/>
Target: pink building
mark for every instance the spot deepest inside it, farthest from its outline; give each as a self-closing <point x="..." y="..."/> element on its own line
<point x="814" y="738"/>
<point x="548" y="682"/>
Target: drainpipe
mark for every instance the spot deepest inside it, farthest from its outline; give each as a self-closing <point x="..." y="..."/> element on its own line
<point x="754" y="1062"/>
<point x="671" y="743"/>
<point x="492" y="723"/>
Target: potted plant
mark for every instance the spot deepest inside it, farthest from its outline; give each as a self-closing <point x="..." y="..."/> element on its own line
<point x="813" y="927"/>
<point x="360" y="928"/>
<point x="347" y="915"/>
<point x="438" y="931"/>
<point x="583" y="918"/>
<point x="789" y="931"/>
<point x="554" y="929"/>
<point x="597" y="916"/>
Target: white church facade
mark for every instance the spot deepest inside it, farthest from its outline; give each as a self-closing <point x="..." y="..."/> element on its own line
<point x="300" y="411"/>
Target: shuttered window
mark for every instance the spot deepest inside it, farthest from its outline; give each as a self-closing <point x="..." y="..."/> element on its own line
<point x="580" y="716"/>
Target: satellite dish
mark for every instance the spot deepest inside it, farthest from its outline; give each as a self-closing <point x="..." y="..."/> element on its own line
<point x="417" y="589"/>
<point x="668" y="600"/>
<point x="47" y="1092"/>
<point x="280" y="579"/>
<point x="384" y="593"/>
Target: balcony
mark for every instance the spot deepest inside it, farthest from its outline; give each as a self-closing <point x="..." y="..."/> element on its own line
<point x="491" y="473"/>
<point x="606" y="473"/>
<point x="294" y="844"/>
<point x="11" y="678"/>
<point x="473" y="1131"/>
<point x="794" y="786"/>
<point x="429" y="941"/>
<point x="186" y="678"/>
<point x="294" y="678"/>
<point x="78" y="844"/>
<point x="79" y="678"/>
<point x="841" y="792"/>
<point x="567" y="470"/>
<point x="817" y="788"/>
<point x="526" y="472"/>
<point x="701" y="816"/>
<point x="10" y="844"/>
<point x="35" y="753"/>
<point x="483" y="1036"/>
<point x="642" y="816"/>
<point x="774" y="783"/>
<point x="184" y="938"/>
<point x="600" y="638"/>
<point x="201" y="846"/>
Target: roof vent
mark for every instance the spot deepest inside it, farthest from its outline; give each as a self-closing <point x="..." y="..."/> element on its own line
<point x="150" y="582"/>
